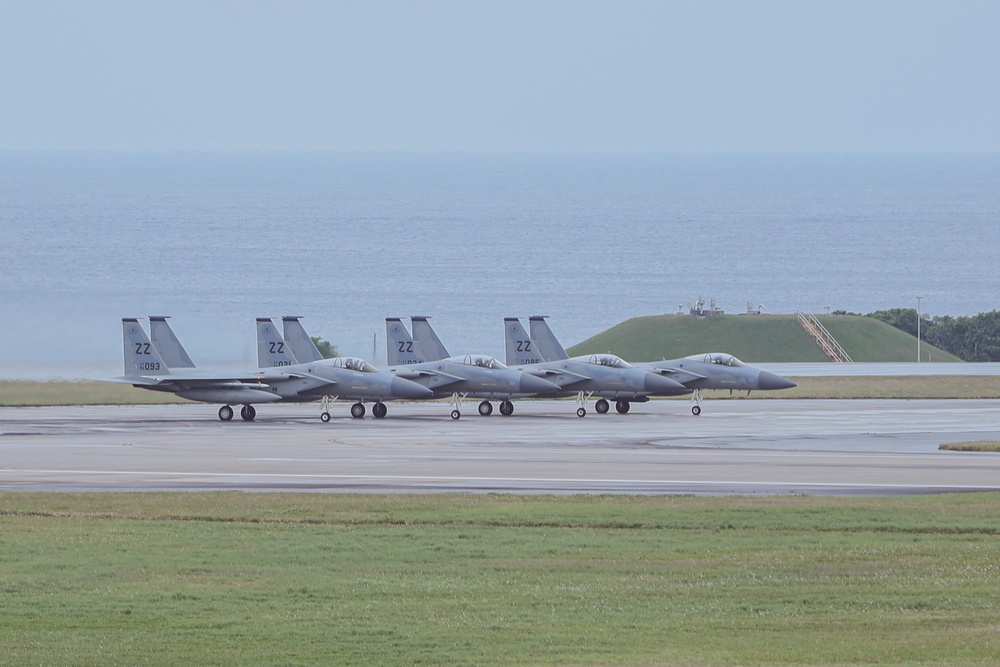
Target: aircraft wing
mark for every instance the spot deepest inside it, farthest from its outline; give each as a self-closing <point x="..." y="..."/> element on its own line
<point x="416" y="373"/>
<point x="204" y="380"/>
<point x="547" y="373"/>
<point x="677" y="374"/>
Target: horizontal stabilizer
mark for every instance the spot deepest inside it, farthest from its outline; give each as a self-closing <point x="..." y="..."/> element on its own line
<point x="228" y="395"/>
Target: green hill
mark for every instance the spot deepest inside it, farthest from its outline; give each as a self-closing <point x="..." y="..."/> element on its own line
<point x="755" y="338"/>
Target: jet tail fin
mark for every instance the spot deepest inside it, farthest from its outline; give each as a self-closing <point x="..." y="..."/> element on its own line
<point x="141" y="358"/>
<point x="166" y="343"/>
<point x="302" y="346"/>
<point x="520" y="349"/>
<point x="546" y="342"/>
<point x="430" y="345"/>
<point x="272" y="351"/>
<point x="400" y="349"/>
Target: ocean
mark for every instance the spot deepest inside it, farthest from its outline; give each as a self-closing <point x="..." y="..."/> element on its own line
<point x="345" y="240"/>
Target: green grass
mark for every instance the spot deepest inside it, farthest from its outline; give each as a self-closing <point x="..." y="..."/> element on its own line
<point x="29" y="392"/>
<point x="25" y="393"/>
<point x="972" y="446"/>
<point x="300" y="579"/>
<point x="915" y="387"/>
<point x="754" y="338"/>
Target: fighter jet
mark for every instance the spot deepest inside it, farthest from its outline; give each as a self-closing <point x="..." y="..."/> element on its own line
<point x="603" y="375"/>
<point x="146" y="367"/>
<point x="347" y="377"/>
<point x="460" y="377"/>
<point x="716" y="370"/>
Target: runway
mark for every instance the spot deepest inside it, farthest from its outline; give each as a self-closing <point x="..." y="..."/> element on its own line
<point x="744" y="447"/>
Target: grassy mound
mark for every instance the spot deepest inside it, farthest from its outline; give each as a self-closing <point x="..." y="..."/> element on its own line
<point x="754" y="338"/>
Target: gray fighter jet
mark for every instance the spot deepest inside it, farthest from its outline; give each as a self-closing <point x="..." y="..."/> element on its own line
<point x="460" y="377"/>
<point x="146" y="367"/>
<point x="351" y="378"/>
<point x="716" y="370"/>
<point x="603" y="375"/>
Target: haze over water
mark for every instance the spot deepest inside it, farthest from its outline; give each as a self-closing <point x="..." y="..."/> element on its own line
<point x="345" y="240"/>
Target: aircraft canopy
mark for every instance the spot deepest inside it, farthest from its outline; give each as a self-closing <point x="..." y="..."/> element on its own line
<point x="720" y="358"/>
<point x="609" y="360"/>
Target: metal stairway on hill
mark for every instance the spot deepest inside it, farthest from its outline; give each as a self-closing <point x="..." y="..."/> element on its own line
<point x="823" y="338"/>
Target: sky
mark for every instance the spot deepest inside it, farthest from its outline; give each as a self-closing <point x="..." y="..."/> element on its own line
<point x="507" y="76"/>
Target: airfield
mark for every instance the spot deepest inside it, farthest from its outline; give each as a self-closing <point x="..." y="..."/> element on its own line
<point x="736" y="447"/>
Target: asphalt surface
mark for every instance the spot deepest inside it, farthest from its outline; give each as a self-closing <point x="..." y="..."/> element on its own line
<point x="745" y="447"/>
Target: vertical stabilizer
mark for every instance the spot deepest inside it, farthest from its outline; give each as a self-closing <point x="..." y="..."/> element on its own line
<point x="399" y="346"/>
<point x="166" y="343"/>
<point x="271" y="348"/>
<point x="520" y="349"/>
<point x="302" y="346"/>
<point x="545" y="341"/>
<point x="430" y="345"/>
<point x="141" y="358"/>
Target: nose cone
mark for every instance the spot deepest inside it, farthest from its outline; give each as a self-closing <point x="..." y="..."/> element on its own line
<point x="771" y="381"/>
<point x="531" y="385"/>
<point x="401" y="388"/>
<point x="663" y="386"/>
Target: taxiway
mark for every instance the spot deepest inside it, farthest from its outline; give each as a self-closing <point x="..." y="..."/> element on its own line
<point x="752" y="447"/>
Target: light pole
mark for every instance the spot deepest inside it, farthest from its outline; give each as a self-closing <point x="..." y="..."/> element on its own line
<point x="918" y="328"/>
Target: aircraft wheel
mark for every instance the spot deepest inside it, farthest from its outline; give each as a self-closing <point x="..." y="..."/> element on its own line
<point x="696" y="410"/>
<point x="602" y="406"/>
<point x="622" y="407"/>
<point x="225" y="413"/>
<point x="455" y="414"/>
<point x="580" y="412"/>
<point x="358" y="410"/>
<point x="248" y="413"/>
<point x="379" y="410"/>
<point x="486" y="408"/>
<point x="325" y="417"/>
<point x="506" y="408"/>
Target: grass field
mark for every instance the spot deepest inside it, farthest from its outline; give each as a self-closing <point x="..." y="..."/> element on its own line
<point x="306" y="579"/>
<point x="26" y="393"/>
<point x="972" y="446"/>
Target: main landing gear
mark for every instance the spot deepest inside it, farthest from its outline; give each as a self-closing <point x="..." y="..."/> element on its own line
<point x="603" y="407"/>
<point x="506" y="408"/>
<point x="247" y="412"/>
<point x="379" y="410"/>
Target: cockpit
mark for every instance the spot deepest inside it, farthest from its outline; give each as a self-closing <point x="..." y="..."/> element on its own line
<point x="719" y="358"/>
<point x="482" y="361"/>
<point x="609" y="360"/>
<point x="352" y="364"/>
